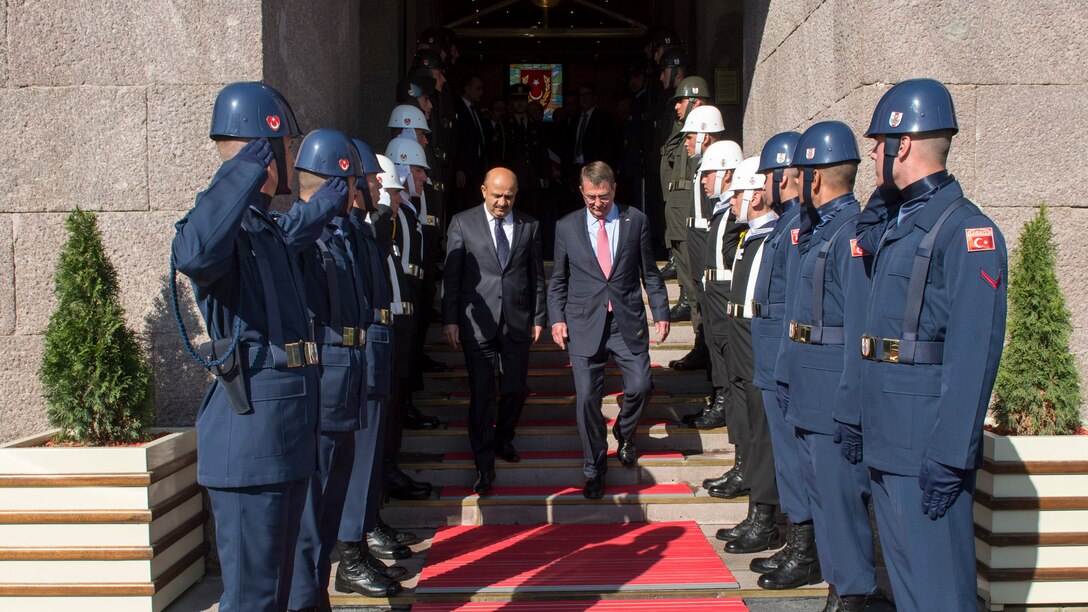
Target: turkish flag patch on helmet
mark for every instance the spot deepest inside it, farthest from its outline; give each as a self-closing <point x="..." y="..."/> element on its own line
<point x="980" y="239"/>
<point x="273" y="122"/>
<point x="855" y="250"/>
<point x="344" y="165"/>
<point x="795" y="233"/>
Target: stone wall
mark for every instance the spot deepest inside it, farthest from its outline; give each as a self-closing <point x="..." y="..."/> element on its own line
<point x="1014" y="69"/>
<point x="108" y="109"/>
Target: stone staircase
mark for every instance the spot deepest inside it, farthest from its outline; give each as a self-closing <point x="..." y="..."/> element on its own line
<point x="545" y="487"/>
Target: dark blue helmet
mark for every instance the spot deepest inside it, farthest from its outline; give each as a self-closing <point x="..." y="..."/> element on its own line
<point x="328" y="153"/>
<point x="672" y="57"/>
<point x="252" y="110"/>
<point x="914" y="106"/>
<point x="778" y="152"/>
<point x="366" y="156"/>
<point x="826" y="143"/>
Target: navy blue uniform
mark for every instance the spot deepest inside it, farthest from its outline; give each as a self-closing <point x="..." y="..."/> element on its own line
<point x="838" y="491"/>
<point x="255" y="463"/>
<point x="768" y="332"/>
<point x="334" y="293"/>
<point x="364" y="491"/>
<point x="933" y="408"/>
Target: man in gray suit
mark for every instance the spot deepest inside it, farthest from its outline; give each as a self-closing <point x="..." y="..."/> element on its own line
<point x="493" y="307"/>
<point x="603" y="258"/>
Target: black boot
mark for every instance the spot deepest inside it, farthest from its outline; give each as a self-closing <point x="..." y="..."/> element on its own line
<point x="738" y="465"/>
<point x="737" y="530"/>
<point x="762" y="534"/>
<point x="404" y="538"/>
<point x="734" y="486"/>
<point x="355" y="576"/>
<point x="801" y="567"/>
<point x="414" y="419"/>
<point x="714" y="416"/>
<point x="832" y="602"/>
<point x="718" y="397"/>
<point x="399" y="485"/>
<point x="668" y="271"/>
<point x="392" y="572"/>
<point x="696" y="359"/>
<point x="384" y="547"/>
<point x="682" y="310"/>
<point x="851" y="603"/>
<point x="764" y="565"/>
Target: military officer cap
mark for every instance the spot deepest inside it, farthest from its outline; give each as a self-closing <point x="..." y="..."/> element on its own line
<point x="519" y="90"/>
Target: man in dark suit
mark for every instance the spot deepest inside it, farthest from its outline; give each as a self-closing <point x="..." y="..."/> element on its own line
<point x="469" y="161"/>
<point x="603" y="257"/>
<point x="493" y="306"/>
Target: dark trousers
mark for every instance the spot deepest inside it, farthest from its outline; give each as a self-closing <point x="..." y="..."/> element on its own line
<point x="404" y="330"/>
<point x="256" y="530"/>
<point x="716" y="328"/>
<point x="696" y="259"/>
<point x="321" y="519"/>
<point x="364" y="495"/>
<point x="679" y="250"/>
<point x="792" y="494"/>
<point x="492" y="423"/>
<point x="424" y="306"/>
<point x="838" y="494"/>
<point x="589" y="386"/>
<point x="931" y="564"/>
<point x="759" y="463"/>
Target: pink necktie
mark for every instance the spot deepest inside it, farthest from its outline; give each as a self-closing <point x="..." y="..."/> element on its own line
<point x="604" y="257"/>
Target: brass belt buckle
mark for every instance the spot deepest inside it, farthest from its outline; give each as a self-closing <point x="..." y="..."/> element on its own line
<point x="383" y="316"/>
<point x="757" y="309"/>
<point x="295" y="355"/>
<point x="348" y="336"/>
<point x="891" y="350"/>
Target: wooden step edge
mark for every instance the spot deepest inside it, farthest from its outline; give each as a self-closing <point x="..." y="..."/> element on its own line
<point x="409" y="596"/>
<point x="104" y="553"/>
<point x="1002" y="540"/>
<point x="1030" y="503"/>
<point x="132" y="479"/>
<point x="127" y="517"/>
<point x="1034" y="574"/>
<point x="105" y="589"/>
<point x="1035" y="467"/>
<point x="565" y="430"/>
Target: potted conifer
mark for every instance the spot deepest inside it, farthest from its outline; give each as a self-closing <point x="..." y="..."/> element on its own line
<point x="101" y="512"/>
<point x="1031" y="502"/>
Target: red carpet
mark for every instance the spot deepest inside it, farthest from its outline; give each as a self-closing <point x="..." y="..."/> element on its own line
<point x="639" y="491"/>
<point x="572" y="558"/>
<point x="531" y="456"/>
<point x="729" y="604"/>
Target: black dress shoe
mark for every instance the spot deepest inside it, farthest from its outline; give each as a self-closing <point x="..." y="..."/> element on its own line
<point x="594" y="488"/>
<point x="384" y="547"/>
<point x="429" y="364"/>
<point x="851" y="603"/>
<point x="509" y="453"/>
<point x="391" y="572"/>
<point x="406" y="538"/>
<point x="626" y="451"/>
<point x="414" y="419"/>
<point x="353" y="575"/>
<point x="399" y="485"/>
<point x="802" y="565"/>
<point x="734" y="532"/>
<point x="832" y="602"/>
<point x="762" y="534"/>
<point x="484" y="478"/>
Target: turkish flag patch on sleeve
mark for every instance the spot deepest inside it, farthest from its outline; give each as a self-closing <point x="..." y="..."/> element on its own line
<point x="855" y="250"/>
<point x="980" y="239"/>
<point x="794" y="234"/>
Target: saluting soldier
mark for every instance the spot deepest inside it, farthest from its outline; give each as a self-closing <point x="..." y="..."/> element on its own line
<point x="932" y="338"/>
<point x="257" y="426"/>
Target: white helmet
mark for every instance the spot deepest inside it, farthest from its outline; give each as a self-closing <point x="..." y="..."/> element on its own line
<point x="722" y="155"/>
<point x="406" y="152"/>
<point x="704" y="119"/>
<point x="388" y="176"/>
<point x="407" y="116"/>
<point x="749" y="179"/>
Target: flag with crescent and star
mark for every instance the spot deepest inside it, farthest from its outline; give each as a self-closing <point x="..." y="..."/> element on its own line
<point x="545" y="84"/>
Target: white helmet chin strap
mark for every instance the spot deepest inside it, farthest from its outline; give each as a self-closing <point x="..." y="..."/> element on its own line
<point x="719" y="176"/>
<point x="404" y="172"/>
<point x="699" y="139"/>
<point x="383" y="197"/>
<point x="745" y="202"/>
<point x="408" y="134"/>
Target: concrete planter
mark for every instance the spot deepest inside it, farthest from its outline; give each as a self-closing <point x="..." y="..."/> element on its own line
<point x="115" y="529"/>
<point x="1031" y="521"/>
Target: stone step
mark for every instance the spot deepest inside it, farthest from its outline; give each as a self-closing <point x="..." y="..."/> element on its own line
<point x="508" y="505"/>
<point x="562" y="435"/>
<point x="546" y="352"/>
<point x="547" y="406"/>
<point x="551" y="379"/>
<point x="565" y="468"/>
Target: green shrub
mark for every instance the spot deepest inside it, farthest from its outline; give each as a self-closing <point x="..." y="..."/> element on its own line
<point x="96" y="380"/>
<point x="1038" y="387"/>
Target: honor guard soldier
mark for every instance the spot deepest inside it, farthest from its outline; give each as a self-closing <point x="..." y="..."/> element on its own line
<point x="359" y="571"/>
<point x="527" y="156"/>
<point x="443" y="117"/>
<point x="830" y="264"/>
<point x="417" y="89"/>
<point x="333" y="283"/>
<point x="797" y="562"/>
<point x="257" y="426"/>
<point x="716" y="169"/>
<point x="758" y="472"/>
<point x="676" y="186"/>
<point x="671" y="69"/>
<point x="933" y="335"/>
<point x="411" y="170"/>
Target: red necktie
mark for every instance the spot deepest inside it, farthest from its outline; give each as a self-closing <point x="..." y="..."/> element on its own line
<point x="604" y="256"/>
